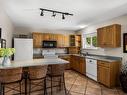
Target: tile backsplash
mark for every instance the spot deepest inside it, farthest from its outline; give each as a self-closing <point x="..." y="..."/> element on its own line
<point x="57" y="50"/>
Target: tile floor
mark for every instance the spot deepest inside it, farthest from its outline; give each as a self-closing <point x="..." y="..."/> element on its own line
<point x="78" y="84"/>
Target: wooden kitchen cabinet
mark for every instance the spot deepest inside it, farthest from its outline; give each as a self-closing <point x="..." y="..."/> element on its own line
<point x="107" y="73"/>
<point x="66" y="57"/>
<point x="82" y="65"/>
<point x="66" y="40"/>
<point x="73" y="50"/>
<point x="104" y="75"/>
<point x="59" y="40"/>
<point x="75" y="40"/>
<point x="109" y="36"/>
<point x="78" y="64"/>
<point x="37" y="40"/>
<point x="46" y="36"/>
<point x="73" y="62"/>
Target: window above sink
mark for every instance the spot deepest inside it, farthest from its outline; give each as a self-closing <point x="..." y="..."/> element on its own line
<point x="90" y="41"/>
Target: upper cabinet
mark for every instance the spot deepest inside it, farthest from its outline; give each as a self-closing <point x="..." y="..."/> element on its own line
<point x="38" y="38"/>
<point x="75" y="40"/>
<point x="109" y="36"/>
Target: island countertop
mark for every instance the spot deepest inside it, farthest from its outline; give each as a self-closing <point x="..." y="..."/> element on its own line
<point x="34" y="62"/>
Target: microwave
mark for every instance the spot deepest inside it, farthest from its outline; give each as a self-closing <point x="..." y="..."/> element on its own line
<point x="49" y="44"/>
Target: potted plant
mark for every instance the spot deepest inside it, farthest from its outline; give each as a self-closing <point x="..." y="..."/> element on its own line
<point x="6" y="53"/>
<point x="123" y="77"/>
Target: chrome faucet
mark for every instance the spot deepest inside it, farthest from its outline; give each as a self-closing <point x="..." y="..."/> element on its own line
<point x="85" y="54"/>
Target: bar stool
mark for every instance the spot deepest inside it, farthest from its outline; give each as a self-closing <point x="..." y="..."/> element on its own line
<point x="57" y="71"/>
<point x="10" y="76"/>
<point x="35" y="74"/>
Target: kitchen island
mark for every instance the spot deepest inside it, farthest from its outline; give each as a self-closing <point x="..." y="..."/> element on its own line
<point x="34" y="62"/>
<point x="31" y="63"/>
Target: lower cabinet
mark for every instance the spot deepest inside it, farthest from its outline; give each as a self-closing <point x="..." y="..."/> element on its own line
<point x="82" y="65"/>
<point x="104" y="75"/>
<point x="78" y="64"/>
<point x="66" y="57"/>
<point x="108" y="73"/>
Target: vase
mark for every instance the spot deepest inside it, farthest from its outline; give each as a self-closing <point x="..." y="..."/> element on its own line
<point x="6" y="61"/>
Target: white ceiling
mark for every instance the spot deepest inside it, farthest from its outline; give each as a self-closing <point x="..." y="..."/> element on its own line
<point x="26" y="13"/>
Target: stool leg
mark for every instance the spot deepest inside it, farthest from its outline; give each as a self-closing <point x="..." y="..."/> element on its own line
<point x="51" y="85"/>
<point x="45" y="89"/>
<point x="3" y="88"/>
<point x="29" y="87"/>
<point x="64" y="85"/>
<point x="60" y="83"/>
<point x="20" y="88"/>
<point x="0" y="89"/>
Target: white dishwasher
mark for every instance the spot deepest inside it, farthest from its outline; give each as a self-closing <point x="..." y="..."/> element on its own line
<point x="91" y="68"/>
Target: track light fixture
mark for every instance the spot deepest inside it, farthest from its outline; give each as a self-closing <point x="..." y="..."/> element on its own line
<point x="63" y="17"/>
<point x="42" y="13"/>
<point x="54" y="13"/>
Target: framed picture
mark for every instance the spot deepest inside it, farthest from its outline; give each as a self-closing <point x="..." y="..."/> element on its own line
<point x="125" y="42"/>
<point x="0" y="32"/>
<point x="2" y="43"/>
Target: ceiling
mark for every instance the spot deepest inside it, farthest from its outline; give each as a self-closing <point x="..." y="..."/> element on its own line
<point x="26" y="13"/>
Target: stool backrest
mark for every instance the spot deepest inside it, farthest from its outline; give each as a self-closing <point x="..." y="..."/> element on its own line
<point x="37" y="72"/>
<point x="10" y="75"/>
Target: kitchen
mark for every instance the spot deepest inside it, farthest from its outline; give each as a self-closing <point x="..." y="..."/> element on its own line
<point x="95" y="53"/>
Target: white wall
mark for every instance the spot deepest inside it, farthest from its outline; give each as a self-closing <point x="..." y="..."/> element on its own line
<point x="26" y="30"/>
<point x="6" y="25"/>
<point x="110" y="51"/>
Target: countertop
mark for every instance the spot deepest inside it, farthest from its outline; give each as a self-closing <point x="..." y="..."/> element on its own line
<point x="101" y="57"/>
<point x="91" y="56"/>
<point x="34" y="62"/>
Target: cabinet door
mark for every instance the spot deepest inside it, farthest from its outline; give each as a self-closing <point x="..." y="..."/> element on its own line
<point x="104" y="75"/>
<point x="46" y="36"/>
<point x="72" y="61"/>
<point x="66" y="40"/>
<point x="52" y="37"/>
<point x="110" y="34"/>
<point x="37" y="40"/>
<point x="59" y="44"/>
<point x="101" y="36"/>
<point x="67" y="66"/>
<point x="82" y="67"/>
<point x="77" y="64"/>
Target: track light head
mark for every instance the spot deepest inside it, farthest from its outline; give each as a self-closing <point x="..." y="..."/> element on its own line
<point x="53" y="14"/>
<point x="63" y="17"/>
<point x="42" y="13"/>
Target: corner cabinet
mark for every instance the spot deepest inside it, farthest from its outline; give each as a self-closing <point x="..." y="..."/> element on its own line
<point x="75" y="40"/>
<point x="109" y="36"/>
<point x="108" y="73"/>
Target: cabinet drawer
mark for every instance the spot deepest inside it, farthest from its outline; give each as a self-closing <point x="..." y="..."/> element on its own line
<point x="103" y="63"/>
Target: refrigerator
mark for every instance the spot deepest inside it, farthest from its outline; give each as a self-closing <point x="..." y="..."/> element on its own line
<point x="23" y="48"/>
